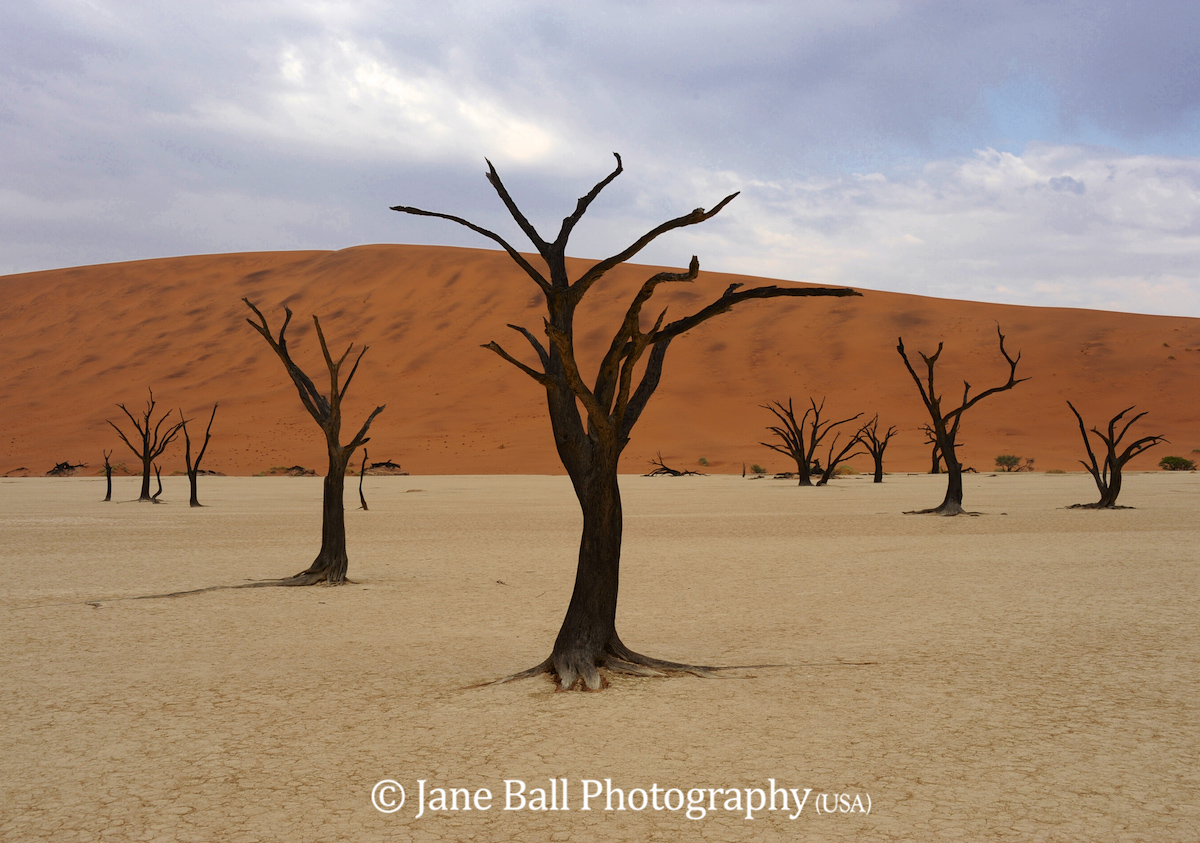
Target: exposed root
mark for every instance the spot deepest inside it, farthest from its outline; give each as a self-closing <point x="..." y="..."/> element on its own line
<point x="946" y="510"/>
<point x="617" y="659"/>
<point x="1098" y="505"/>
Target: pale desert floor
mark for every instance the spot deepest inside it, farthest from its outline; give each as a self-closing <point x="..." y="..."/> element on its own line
<point x="1030" y="674"/>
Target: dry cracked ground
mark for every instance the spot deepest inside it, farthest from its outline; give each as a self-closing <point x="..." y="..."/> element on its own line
<point x="1028" y="674"/>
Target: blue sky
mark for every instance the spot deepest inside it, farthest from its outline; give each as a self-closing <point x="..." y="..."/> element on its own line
<point x="1027" y="152"/>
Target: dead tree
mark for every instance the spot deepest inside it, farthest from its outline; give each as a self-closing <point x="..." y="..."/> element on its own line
<point x="663" y="470"/>
<point x="833" y="460"/>
<point x="362" y="473"/>
<point x="590" y="450"/>
<point x="158" y="477"/>
<point x="65" y="469"/>
<point x="1108" y="474"/>
<point x="876" y="445"/>
<point x="801" y="438"/>
<point x="936" y="455"/>
<point x="331" y="562"/>
<point x="193" y="469"/>
<point x="946" y="423"/>
<point x="107" y="477"/>
<point x="154" y="440"/>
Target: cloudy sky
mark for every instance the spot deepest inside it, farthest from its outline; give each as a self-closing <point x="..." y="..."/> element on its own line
<point x="1026" y="152"/>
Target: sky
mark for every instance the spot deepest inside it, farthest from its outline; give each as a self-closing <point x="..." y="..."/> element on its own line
<point x="1037" y="153"/>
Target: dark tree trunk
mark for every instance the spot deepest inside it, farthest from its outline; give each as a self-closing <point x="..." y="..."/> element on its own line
<point x="589" y="629"/>
<point x="332" y="559"/>
<point x="146" y="469"/>
<point x="362" y="472"/>
<point x="107" y="477"/>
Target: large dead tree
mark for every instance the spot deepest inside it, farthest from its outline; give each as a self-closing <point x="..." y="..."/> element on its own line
<point x="153" y="440"/>
<point x="590" y="446"/>
<point x="876" y="444"/>
<point x="945" y="423"/>
<point x="193" y="468"/>
<point x="801" y="438"/>
<point x="1108" y="474"/>
<point x="332" y="561"/>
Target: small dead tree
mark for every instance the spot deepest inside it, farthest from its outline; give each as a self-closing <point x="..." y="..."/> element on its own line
<point x="1108" y="475"/>
<point x="107" y="477"/>
<point x="65" y="469"/>
<point x="663" y="470"/>
<point x="158" y="477"/>
<point x="936" y="451"/>
<point x="946" y="423"/>
<point x="876" y="444"/>
<point x="193" y="469"/>
<point x="590" y="446"/>
<point x="332" y="561"/>
<point x="154" y="440"/>
<point x="801" y="438"/>
<point x="362" y="472"/>
<point x="833" y="460"/>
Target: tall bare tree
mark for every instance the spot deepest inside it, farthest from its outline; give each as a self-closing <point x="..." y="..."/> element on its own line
<point x="946" y="423"/>
<point x="590" y="451"/>
<point x="1108" y="474"/>
<point x="153" y="440"/>
<point x="332" y="561"/>
<point x="876" y="444"/>
<point x="193" y="469"/>
<point x="801" y="438"/>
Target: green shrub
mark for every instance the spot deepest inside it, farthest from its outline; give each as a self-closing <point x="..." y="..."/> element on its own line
<point x="1176" y="464"/>
<point x="757" y="469"/>
<point x="1011" y="462"/>
<point x="704" y="461"/>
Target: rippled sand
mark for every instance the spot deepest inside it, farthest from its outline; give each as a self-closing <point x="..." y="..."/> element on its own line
<point x="1029" y="674"/>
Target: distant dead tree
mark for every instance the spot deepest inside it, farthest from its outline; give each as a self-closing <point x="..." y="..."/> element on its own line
<point x="801" y="438"/>
<point x="835" y="458"/>
<point x="876" y="444"/>
<point x="193" y="469"/>
<point x="331" y="562"/>
<point x="1108" y="474"/>
<point x="361" y="474"/>
<point x="946" y="423"/>
<point x="107" y="476"/>
<point x="936" y="456"/>
<point x="154" y="440"/>
<point x="65" y="469"/>
<point x="614" y="402"/>
<point x="663" y="470"/>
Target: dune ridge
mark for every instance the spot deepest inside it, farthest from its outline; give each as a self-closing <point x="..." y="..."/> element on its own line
<point x="78" y="341"/>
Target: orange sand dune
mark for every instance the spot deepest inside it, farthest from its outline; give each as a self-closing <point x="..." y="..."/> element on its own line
<point x="78" y="341"/>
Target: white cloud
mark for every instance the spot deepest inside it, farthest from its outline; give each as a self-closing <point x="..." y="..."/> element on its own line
<point x="1055" y="226"/>
<point x="340" y="95"/>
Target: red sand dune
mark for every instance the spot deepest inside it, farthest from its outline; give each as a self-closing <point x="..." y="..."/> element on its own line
<point x="78" y="341"/>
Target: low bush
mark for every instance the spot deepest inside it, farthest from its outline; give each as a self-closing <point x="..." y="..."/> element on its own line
<point x="1177" y="464"/>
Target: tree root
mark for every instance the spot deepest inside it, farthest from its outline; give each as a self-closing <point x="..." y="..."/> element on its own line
<point x="943" y="510"/>
<point x="1098" y="505"/>
<point x="591" y="674"/>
